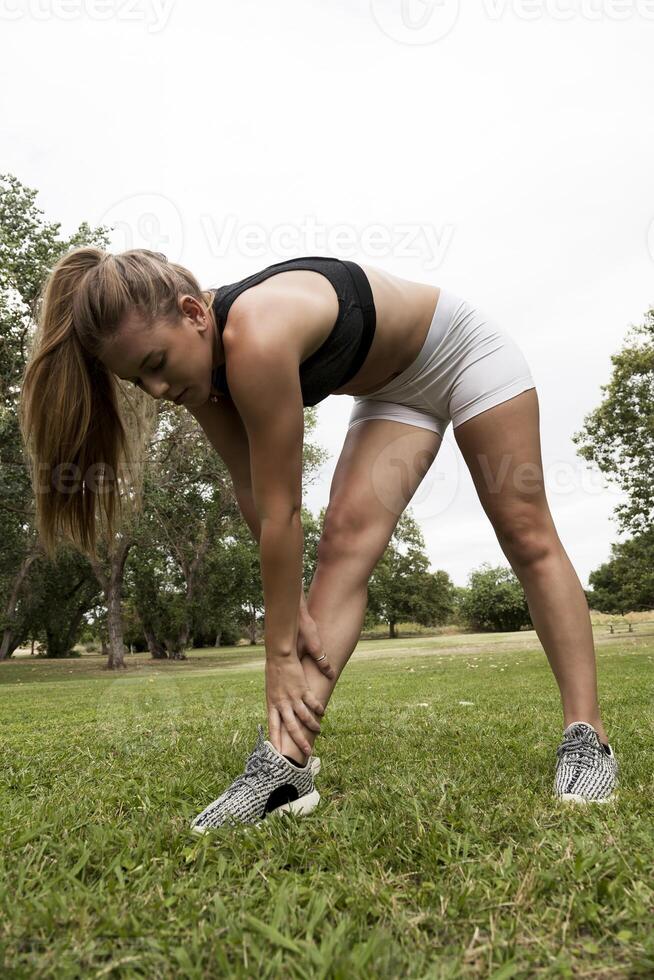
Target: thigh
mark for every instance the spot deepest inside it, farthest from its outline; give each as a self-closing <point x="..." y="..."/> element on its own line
<point x="485" y="367"/>
<point x="502" y="450"/>
<point x="381" y="465"/>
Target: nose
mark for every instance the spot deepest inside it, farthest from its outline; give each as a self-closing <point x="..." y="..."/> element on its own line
<point x="156" y="390"/>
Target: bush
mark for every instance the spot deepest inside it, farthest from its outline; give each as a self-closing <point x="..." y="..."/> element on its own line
<point x="495" y="601"/>
<point x="229" y="637"/>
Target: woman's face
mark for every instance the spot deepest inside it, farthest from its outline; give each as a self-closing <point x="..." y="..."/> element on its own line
<point x="168" y="360"/>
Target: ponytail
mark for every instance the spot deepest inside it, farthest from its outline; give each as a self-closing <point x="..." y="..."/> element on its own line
<point x="79" y="448"/>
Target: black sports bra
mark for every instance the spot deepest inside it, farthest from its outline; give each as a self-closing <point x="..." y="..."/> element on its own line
<point x="343" y="352"/>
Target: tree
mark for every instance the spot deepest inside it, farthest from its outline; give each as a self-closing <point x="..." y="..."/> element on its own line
<point x="312" y="530"/>
<point x="434" y="598"/>
<point x="626" y="582"/>
<point x="187" y="498"/>
<point x="619" y="434"/>
<point x="61" y="593"/>
<point x="495" y="601"/>
<point x="401" y="588"/>
<point x="219" y="616"/>
<point x="459" y="595"/>
<point x="190" y="501"/>
<point x="242" y="585"/>
<point x="29" y="246"/>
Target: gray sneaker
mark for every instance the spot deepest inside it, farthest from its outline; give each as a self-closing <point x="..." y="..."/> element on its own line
<point x="270" y="784"/>
<point x="586" y="772"/>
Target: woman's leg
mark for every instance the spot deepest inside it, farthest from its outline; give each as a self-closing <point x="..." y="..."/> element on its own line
<point x="501" y="447"/>
<point x="379" y="470"/>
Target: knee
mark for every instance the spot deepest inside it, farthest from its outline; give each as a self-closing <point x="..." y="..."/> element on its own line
<point x="341" y="533"/>
<point x="526" y="539"/>
<point x="350" y="533"/>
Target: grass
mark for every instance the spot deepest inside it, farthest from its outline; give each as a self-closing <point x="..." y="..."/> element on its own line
<point x="437" y="850"/>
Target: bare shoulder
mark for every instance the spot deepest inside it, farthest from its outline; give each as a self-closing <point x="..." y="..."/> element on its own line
<point x="297" y="309"/>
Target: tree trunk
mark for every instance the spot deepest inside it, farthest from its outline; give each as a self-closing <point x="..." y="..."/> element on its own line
<point x="391" y="630"/>
<point x="175" y="651"/>
<point x="157" y="651"/>
<point x="9" y="641"/>
<point x="181" y="642"/>
<point x="116" y="658"/>
<point x="218" y="638"/>
<point x="113" y="588"/>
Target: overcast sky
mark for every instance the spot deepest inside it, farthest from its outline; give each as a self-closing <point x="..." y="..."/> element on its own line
<point x="502" y="150"/>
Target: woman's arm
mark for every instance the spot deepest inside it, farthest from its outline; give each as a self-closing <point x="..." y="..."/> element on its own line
<point x="263" y="376"/>
<point x="224" y="428"/>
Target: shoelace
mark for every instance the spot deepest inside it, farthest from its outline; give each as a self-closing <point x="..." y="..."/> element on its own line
<point x="578" y="750"/>
<point x="256" y="764"/>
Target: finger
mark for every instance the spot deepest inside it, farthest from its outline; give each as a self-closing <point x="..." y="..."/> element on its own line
<point x="275" y="728"/>
<point x="312" y="702"/>
<point x="305" y="715"/>
<point x="323" y="665"/>
<point x="294" y="729"/>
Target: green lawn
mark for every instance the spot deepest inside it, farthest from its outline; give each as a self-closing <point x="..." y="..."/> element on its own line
<point x="436" y="851"/>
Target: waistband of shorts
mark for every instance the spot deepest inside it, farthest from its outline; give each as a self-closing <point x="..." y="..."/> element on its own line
<point x="447" y="310"/>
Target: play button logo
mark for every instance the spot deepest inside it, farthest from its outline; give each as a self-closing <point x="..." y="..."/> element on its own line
<point x="415" y="21"/>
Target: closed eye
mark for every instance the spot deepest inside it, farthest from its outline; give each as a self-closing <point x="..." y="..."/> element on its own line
<point x="157" y="367"/>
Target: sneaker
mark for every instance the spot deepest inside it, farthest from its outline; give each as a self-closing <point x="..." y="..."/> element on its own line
<point x="314" y="762"/>
<point x="270" y="784"/>
<point x="586" y="771"/>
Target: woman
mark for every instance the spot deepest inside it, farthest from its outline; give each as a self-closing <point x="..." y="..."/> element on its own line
<point x="245" y="359"/>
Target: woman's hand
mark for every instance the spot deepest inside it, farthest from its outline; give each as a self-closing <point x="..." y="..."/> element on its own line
<point x="309" y="642"/>
<point x="289" y="698"/>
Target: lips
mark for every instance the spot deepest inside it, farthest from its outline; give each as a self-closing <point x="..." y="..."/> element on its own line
<point x="178" y="400"/>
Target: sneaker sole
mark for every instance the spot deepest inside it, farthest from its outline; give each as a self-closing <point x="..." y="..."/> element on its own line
<point x="301" y="806"/>
<point x="575" y="798"/>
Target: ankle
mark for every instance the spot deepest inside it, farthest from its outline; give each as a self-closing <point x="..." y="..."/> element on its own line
<point x="593" y="720"/>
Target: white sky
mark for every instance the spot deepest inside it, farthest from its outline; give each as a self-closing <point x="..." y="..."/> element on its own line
<point x="503" y="150"/>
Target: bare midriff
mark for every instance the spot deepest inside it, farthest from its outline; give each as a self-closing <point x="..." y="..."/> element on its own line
<point x="405" y="310"/>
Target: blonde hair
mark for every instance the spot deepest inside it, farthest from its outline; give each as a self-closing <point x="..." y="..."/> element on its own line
<point x="70" y="415"/>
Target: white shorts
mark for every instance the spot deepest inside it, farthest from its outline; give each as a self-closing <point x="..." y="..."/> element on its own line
<point x="466" y="365"/>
